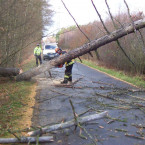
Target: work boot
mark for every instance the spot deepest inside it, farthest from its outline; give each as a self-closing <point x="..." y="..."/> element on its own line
<point x="69" y="83"/>
<point x="64" y="81"/>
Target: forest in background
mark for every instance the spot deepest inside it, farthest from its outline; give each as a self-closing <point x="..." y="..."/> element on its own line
<point x="22" y="23"/>
<point x="128" y="54"/>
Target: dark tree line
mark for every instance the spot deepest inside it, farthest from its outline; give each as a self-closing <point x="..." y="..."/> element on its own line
<point x="21" y="22"/>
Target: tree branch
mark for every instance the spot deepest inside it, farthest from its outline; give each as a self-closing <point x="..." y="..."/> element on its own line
<point x="77" y="25"/>
<point x="117" y="41"/>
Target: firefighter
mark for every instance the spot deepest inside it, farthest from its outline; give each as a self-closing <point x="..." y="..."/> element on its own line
<point x="68" y="68"/>
<point x="37" y="54"/>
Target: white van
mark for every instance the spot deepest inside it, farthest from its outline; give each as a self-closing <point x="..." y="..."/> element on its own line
<point x="49" y="51"/>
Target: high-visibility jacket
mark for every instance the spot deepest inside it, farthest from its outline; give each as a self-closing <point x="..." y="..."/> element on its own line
<point x="69" y="62"/>
<point x="37" y="51"/>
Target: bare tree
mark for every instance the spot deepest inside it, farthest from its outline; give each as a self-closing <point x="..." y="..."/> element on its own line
<point x="21" y="23"/>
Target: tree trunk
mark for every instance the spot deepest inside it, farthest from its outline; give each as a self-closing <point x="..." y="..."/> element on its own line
<point x="33" y="72"/>
<point x="86" y="48"/>
<point x="8" y="72"/>
<point x="68" y="124"/>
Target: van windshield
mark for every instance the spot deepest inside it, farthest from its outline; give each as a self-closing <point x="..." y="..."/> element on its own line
<point x="50" y="47"/>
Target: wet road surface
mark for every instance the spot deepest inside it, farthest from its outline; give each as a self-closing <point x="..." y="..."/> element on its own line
<point x="95" y="91"/>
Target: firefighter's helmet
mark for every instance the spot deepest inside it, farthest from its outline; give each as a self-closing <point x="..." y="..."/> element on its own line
<point x="58" y="50"/>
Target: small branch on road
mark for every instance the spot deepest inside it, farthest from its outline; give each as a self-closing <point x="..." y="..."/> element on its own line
<point x="134" y="136"/>
<point x="60" y="93"/>
<point x="68" y="124"/>
<point x="137" y="97"/>
<point x="70" y="86"/>
<point x="77" y="80"/>
<point x="84" y="112"/>
<point x="109" y="97"/>
<point x="44" y="139"/>
<point x="102" y="83"/>
<point x="138" y="125"/>
<point x="14" y="134"/>
<point x="75" y="115"/>
<point x="41" y="101"/>
<point x="77" y="123"/>
<point x="138" y="106"/>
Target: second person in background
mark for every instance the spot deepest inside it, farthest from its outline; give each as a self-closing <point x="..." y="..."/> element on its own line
<point x="37" y="54"/>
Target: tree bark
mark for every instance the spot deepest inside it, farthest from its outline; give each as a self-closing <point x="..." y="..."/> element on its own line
<point x="43" y="139"/>
<point x="8" y="72"/>
<point x="68" y="124"/>
<point x="86" y="48"/>
<point x="33" y="72"/>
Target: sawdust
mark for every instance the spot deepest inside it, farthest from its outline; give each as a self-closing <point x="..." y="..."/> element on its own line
<point x="56" y="82"/>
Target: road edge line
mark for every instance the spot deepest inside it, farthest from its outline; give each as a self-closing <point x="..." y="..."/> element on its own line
<point x="112" y="76"/>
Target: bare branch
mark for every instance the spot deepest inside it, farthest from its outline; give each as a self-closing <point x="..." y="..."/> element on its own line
<point x="140" y="40"/>
<point x="100" y="18"/>
<point x="75" y="20"/>
<point x="68" y="123"/>
<point x="117" y="41"/>
<point x="77" y="25"/>
<point x="110" y="14"/>
<point x="44" y="139"/>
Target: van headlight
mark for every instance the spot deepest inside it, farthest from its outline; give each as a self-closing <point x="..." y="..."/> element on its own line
<point x="44" y="53"/>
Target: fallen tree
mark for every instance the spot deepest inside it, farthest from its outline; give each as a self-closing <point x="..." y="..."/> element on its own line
<point x="8" y="72"/>
<point x="86" y="48"/>
<point x="68" y="124"/>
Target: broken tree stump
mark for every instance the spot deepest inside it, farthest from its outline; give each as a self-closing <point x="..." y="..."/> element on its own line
<point x="68" y="124"/>
<point x="8" y="72"/>
<point x="43" y="139"/>
<point x="33" y="72"/>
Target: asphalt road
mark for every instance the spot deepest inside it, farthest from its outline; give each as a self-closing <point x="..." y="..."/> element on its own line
<point x="124" y="104"/>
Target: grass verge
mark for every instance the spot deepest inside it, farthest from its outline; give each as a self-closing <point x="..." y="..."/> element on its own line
<point x="134" y="80"/>
<point x="29" y="63"/>
<point x="16" y="101"/>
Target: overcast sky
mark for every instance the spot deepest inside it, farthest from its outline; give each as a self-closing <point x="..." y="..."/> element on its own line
<point x="84" y="12"/>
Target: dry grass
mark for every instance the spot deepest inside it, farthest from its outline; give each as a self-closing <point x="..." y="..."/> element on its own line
<point x="27" y="110"/>
<point x="16" y="103"/>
